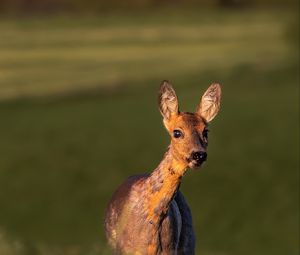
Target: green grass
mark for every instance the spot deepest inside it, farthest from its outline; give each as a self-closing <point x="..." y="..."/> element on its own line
<point x="56" y="56"/>
<point x="79" y="114"/>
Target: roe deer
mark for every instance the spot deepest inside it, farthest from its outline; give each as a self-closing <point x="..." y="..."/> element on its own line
<point x="148" y="214"/>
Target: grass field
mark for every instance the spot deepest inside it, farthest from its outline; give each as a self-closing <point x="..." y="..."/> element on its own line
<point x="78" y="112"/>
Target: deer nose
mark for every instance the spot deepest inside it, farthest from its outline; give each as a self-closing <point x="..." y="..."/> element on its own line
<point x="199" y="156"/>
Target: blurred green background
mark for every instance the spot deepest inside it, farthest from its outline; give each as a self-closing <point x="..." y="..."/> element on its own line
<point x="78" y="115"/>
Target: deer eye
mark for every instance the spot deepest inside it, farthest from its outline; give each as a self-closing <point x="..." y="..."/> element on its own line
<point x="177" y="133"/>
<point x="205" y="133"/>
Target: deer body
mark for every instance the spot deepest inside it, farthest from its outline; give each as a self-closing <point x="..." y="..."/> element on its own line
<point x="148" y="214"/>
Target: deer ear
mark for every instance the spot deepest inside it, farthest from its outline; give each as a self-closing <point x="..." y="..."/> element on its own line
<point x="167" y="99"/>
<point x="210" y="102"/>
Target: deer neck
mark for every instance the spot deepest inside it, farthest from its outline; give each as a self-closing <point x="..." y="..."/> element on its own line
<point x="162" y="185"/>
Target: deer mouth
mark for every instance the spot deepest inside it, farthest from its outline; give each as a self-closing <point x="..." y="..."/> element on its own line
<point x="194" y="164"/>
<point x="197" y="159"/>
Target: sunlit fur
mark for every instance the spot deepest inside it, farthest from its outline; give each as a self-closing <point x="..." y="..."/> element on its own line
<point x="192" y="126"/>
<point x="148" y="214"/>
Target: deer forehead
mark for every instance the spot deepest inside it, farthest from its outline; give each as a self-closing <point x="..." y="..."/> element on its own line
<point x="186" y="121"/>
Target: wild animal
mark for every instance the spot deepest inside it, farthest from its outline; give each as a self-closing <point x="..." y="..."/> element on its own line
<point x="148" y="214"/>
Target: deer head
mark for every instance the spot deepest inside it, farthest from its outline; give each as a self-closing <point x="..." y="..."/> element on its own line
<point x="188" y="131"/>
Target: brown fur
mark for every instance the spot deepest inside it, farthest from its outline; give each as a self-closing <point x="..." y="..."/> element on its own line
<point x="148" y="214"/>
